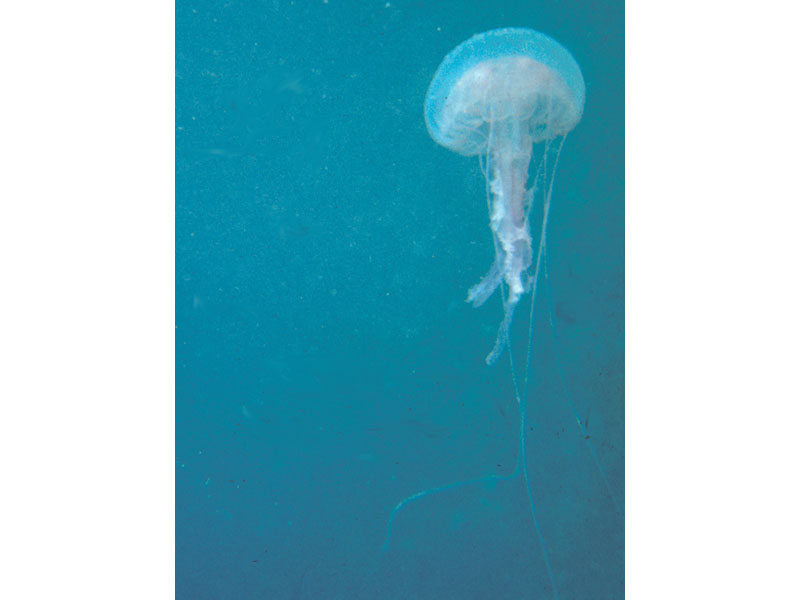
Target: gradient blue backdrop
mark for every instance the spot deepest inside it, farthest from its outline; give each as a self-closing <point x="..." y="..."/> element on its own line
<point x="327" y="364"/>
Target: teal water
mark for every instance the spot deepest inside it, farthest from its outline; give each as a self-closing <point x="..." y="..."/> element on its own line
<point x="327" y="364"/>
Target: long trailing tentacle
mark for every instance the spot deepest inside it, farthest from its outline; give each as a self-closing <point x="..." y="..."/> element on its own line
<point x="522" y="459"/>
<point x="478" y="295"/>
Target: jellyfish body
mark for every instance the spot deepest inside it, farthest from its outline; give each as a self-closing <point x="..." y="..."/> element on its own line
<point x="497" y="95"/>
<point x="510" y="96"/>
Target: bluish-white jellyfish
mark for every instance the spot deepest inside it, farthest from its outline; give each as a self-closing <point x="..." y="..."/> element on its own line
<point x="498" y="95"/>
<point x="509" y="96"/>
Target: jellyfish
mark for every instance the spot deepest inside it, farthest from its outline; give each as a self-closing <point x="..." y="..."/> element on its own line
<point x="509" y="96"/>
<point x="497" y="96"/>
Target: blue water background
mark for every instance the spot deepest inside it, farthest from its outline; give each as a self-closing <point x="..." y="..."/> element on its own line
<point x="327" y="364"/>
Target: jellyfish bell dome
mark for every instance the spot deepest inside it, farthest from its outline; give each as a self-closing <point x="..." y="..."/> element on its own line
<point x="505" y="74"/>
